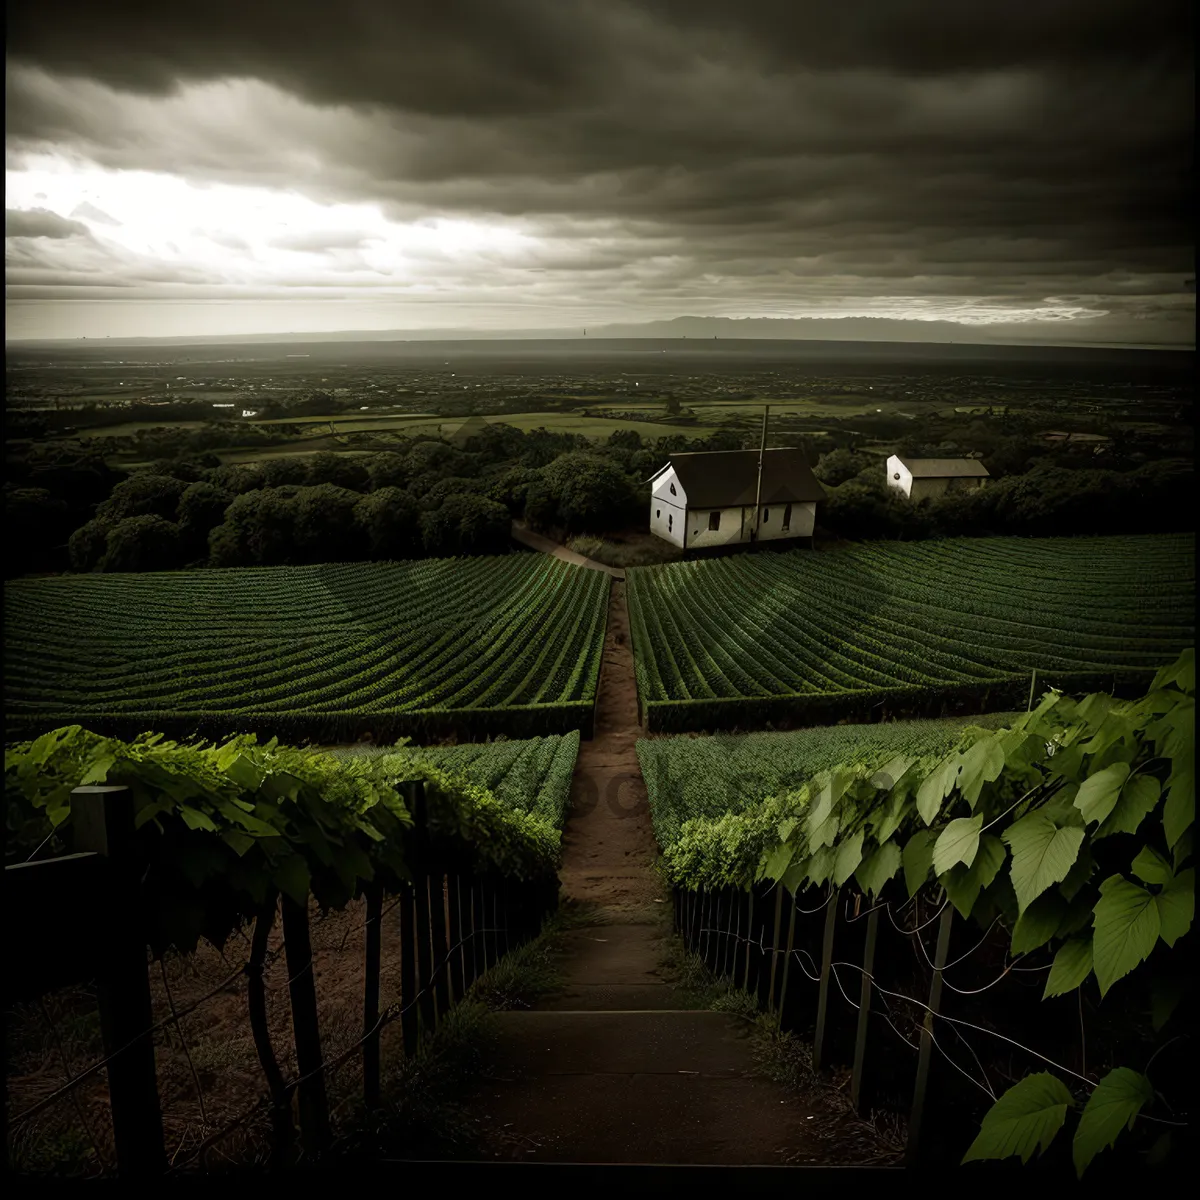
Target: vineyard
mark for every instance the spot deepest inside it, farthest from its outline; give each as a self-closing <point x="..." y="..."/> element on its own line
<point x="532" y="775"/>
<point x="481" y="646"/>
<point x="742" y="642"/>
<point x="708" y="777"/>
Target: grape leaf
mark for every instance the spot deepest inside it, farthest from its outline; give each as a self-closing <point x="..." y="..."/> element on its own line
<point x="1138" y="797"/>
<point x="1038" y="923"/>
<point x="1176" y="906"/>
<point x="1151" y="867"/>
<point x="849" y="855"/>
<point x="1098" y="793"/>
<point x="918" y="859"/>
<point x="963" y="884"/>
<point x="958" y="843"/>
<point x="1125" y="927"/>
<point x="778" y="861"/>
<point x="936" y="786"/>
<point x="1113" y="1106"/>
<point x="878" y="867"/>
<point x="1072" y="965"/>
<point x="1043" y="854"/>
<point x="1026" y="1118"/>
<point x="1179" y="812"/>
<point x="982" y="763"/>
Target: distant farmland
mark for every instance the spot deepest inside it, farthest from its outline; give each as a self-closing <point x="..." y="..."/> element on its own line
<point x="741" y="642"/>
<point x="487" y="645"/>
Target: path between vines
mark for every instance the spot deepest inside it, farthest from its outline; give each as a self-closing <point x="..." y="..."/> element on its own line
<point x="614" y="1068"/>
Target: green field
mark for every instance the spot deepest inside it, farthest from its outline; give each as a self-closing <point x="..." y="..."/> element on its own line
<point x="486" y="645"/>
<point x="530" y="775"/>
<point x="743" y="641"/>
<point x="690" y="777"/>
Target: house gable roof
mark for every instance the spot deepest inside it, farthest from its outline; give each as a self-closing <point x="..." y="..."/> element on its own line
<point x="728" y="478"/>
<point x="944" y="468"/>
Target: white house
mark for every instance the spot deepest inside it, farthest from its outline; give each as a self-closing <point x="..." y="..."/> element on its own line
<point x="922" y="478"/>
<point x="707" y="499"/>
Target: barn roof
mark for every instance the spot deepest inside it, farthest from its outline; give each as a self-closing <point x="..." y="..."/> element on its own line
<point x="727" y="478"/>
<point x="944" y="468"/>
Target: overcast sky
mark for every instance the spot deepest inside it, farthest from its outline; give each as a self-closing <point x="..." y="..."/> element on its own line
<point x="264" y="166"/>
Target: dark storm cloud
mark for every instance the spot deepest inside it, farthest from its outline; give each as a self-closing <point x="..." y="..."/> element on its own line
<point x="40" y="223"/>
<point x="913" y="147"/>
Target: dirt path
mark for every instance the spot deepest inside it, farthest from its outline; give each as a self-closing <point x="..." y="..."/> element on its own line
<point x="616" y="1068"/>
<point x="546" y="545"/>
<point x="608" y="842"/>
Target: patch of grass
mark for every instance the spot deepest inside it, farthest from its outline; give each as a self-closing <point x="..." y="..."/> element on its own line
<point x="848" y="1139"/>
<point x="646" y="553"/>
<point x="423" y="1115"/>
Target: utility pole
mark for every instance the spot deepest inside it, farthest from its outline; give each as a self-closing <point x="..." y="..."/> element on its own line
<point x="762" y="449"/>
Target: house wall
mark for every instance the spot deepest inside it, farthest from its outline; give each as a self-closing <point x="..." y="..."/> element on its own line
<point x="661" y="488"/>
<point x="735" y="527"/>
<point x="667" y="520"/>
<point x="771" y="527"/>
<point x="926" y="489"/>
<point x="898" y="475"/>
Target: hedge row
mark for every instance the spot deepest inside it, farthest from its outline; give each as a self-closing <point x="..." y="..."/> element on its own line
<point x="326" y="728"/>
<point x="748" y="713"/>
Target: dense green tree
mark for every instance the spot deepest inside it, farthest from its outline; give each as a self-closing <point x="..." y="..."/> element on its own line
<point x="835" y="467"/>
<point x="340" y="470"/>
<point x="387" y="470"/>
<point x="86" y="546"/>
<point x="143" y="495"/>
<point x="325" y="529"/>
<point x="466" y="524"/>
<point x="541" y="509"/>
<point x="592" y="494"/>
<point x="142" y="543"/>
<point x="201" y="509"/>
<point x="259" y="530"/>
<point x="390" y="520"/>
<point x="236" y="478"/>
<point x="453" y="485"/>
<point x="290" y="471"/>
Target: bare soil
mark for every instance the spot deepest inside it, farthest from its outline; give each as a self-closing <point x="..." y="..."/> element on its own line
<point x="609" y="850"/>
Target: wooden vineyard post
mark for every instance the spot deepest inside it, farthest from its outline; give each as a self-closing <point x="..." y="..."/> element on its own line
<point x="694" y="899"/>
<point x="775" y="947"/>
<point x="912" y="1152"/>
<point x="787" y="957"/>
<point x="731" y="937"/>
<point x="831" y="913"/>
<point x="859" y="1082"/>
<point x="458" y="980"/>
<point x="314" y="1104"/>
<point x="441" y="944"/>
<point x="426" y="1002"/>
<point x="749" y="946"/>
<point x="408" y="969"/>
<point x="371" y="965"/>
<point x="102" y="819"/>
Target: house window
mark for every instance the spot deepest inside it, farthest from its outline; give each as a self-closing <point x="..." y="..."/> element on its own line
<point x="670" y="521"/>
<point x="673" y="491"/>
<point x="766" y="515"/>
<point x="714" y="521"/>
<point x="787" y="516"/>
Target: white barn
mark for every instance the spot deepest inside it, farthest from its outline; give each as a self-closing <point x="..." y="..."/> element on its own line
<point x="923" y="478"/>
<point x="707" y="498"/>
